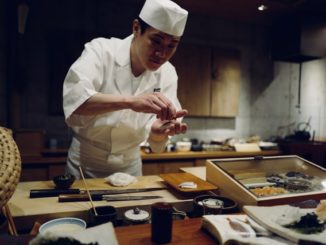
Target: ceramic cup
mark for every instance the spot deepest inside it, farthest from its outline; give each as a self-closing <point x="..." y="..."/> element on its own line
<point x="104" y="214"/>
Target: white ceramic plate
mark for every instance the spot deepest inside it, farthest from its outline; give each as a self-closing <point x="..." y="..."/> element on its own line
<point x="63" y="225"/>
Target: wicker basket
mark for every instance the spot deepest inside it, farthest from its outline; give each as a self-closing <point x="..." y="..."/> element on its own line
<point x="10" y="165"/>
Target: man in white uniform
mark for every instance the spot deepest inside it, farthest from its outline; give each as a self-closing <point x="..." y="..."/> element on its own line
<point x="120" y="93"/>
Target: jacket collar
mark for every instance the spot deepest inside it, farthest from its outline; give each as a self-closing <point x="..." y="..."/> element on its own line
<point x="123" y="72"/>
<point x="123" y="52"/>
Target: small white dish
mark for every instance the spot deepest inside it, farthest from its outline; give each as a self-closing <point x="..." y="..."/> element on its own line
<point x="183" y="146"/>
<point x="63" y="226"/>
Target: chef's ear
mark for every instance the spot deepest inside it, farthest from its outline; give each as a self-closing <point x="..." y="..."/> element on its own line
<point x="136" y="28"/>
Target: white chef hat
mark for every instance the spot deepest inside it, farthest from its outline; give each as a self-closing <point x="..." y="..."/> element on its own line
<point x="165" y="16"/>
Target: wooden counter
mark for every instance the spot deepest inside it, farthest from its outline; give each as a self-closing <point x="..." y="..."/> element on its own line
<point x="186" y="231"/>
<point x="168" y="162"/>
<point x="177" y="155"/>
<point x="205" y="154"/>
<point x="183" y="232"/>
<point x="26" y="211"/>
<point x="52" y="162"/>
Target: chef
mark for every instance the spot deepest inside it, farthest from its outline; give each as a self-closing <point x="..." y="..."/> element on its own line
<point x="120" y="93"/>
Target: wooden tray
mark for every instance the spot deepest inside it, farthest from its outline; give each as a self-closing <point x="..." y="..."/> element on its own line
<point x="175" y="179"/>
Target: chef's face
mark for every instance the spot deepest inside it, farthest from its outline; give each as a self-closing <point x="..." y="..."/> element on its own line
<point x="152" y="48"/>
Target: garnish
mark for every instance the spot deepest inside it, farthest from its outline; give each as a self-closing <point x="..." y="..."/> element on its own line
<point x="308" y="224"/>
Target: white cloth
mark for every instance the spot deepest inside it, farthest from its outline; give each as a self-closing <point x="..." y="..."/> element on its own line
<point x="109" y="143"/>
<point x="102" y="234"/>
<point x="120" y="179"/>
<point x="164" y="15"/>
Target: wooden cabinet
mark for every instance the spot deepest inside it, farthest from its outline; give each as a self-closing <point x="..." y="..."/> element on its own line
<point x="225" y="83"/>
<point x="311" y="151"/>
<point x="193" y="67"/>
<point x="209" y="80"/>
<point x="36" y="168"/>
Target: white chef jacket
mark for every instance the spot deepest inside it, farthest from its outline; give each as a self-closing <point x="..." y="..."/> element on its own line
<point x="109" y="143"/>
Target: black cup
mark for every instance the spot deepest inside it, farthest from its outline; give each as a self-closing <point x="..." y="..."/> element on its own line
<point x="104" y="215"/>
<point x="161" y="226"/>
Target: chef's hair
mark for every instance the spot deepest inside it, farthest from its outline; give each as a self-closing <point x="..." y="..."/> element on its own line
<point x="143" y="25"/>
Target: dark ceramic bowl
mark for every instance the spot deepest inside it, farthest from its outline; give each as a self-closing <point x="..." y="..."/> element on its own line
<point x="63" y="181"/>
<point x="104" y="214"/>
<point x="210" y="204"/>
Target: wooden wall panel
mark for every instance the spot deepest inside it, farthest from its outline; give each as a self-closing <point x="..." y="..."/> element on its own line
<point x="192" y="63"/>
<point x="226" y="83"/>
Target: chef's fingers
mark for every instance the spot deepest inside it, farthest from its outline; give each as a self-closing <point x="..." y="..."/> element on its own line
<point x="157" y="110"/>
<point x="171" y="110"/>
<point x="181" y="113"/>
<point x="168" y="110"/>
<point x="183" y="128"/>
<point x="180" y="128"/>
<point x="175" y="127"/>
<point x="168" y="128"/>
<point x="162" y="112"/>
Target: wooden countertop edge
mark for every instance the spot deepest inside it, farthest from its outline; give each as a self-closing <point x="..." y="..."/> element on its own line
<point x="186" y="231"/>
<point x="26" y="160"/>
<point x="206" y="154"/>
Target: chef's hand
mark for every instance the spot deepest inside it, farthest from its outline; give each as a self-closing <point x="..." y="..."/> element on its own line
<point x="155" y="103"/>
<point x="163" y="128"/>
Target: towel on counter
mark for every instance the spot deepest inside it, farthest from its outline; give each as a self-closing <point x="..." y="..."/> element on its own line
<point x="120" y="179"/>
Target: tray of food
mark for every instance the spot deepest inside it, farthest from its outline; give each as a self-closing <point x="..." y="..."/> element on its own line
<point x="268" y="180"/>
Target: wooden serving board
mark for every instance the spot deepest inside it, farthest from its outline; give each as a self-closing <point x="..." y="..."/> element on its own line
<point x="175" y="179"/>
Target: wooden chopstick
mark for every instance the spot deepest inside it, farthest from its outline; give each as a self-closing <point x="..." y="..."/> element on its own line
<point x="11" y="224"/>
<point x="89" y="195"/>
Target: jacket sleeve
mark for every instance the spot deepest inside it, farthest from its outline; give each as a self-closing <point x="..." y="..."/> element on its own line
<point x="83" y="80"/>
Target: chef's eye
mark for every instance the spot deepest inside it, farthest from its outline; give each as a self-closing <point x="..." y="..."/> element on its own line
<point x="156" y="42"/>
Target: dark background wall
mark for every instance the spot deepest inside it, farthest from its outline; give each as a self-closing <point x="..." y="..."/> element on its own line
<point x="36" y="62"/>
<point x="54" y="36"/>
<point x="3" y="93"/>
<point x="33" y="64"/>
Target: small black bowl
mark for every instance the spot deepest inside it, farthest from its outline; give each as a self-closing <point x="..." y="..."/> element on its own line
<point x="63" y="181"/>
<point x="104" y="214"/>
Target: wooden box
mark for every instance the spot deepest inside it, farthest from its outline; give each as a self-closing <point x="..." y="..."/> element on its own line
<point x="266" y="181"/>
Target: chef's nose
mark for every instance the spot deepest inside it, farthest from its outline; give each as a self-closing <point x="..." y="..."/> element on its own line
<point x="161" y="52"/>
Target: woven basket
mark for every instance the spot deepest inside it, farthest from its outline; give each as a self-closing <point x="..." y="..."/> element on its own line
<point x="10" y="165"/>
